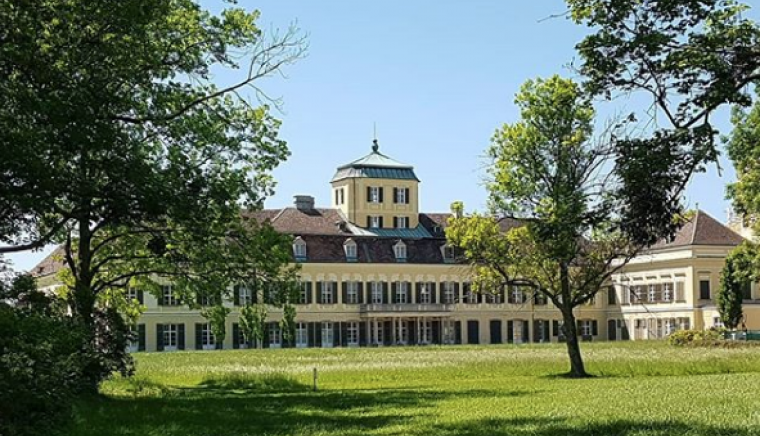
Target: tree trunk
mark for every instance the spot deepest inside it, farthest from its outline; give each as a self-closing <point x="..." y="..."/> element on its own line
<point x="577" y="369"/>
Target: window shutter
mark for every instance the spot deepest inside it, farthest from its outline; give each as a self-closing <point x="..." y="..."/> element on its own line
<point x="362" y="334"/>
<point x="458" y="332"/>
<point x="265" y="335"/>
<point x="159" y="337"/>
<point x="536" y="327"/>
<point x="181" y="336"/>
<point x="433" y="292"/>
<point x="320" y="289"/>
<point x="395" y="222"/>
<point x="198" y="336"/>
<point x="386" y="293"/>
<point x="161" y="301"/>
<point x="525" y="332"/>
<point x="334" y="292"/>
<point x="360" y="290"/>
<point x="344" y="334"/>
<point x="510" y="332"/>
<point x="235" y="336"/>
<point x="317" y="334"/>
<point x="380" y="194"/>
<point x="344" y="286"/>
<point x="309" y="297"/>
<point x="387" y="340"/>
<point x="406" y="196"/>
<point x="369" y="194"/>
<point x="369" y="221"/>
<point x="381" y="222"/>
<point x="555" y="328"/>
<point x="236" y="295"/>
<point x="594" y="328"/>
<point x="417" y="295"/>
<point x="456" y="292"/>
<point x="336" y="334"/>
<point x="140" y="296"/>
<point x="436" y="331"/>
<point x="310" y="334"/>
<point x="394" y="292"/>
<point x="395" y="195"/>
<point x="141" y="337"/>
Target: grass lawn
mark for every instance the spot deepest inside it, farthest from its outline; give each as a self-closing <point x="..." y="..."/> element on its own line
<point x="641" y="389"/>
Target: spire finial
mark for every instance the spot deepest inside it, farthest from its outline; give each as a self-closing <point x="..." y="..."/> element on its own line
<point x="375" y="145"/>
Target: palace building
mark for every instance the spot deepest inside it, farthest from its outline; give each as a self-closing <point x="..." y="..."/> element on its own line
<point x="377" y="272"/>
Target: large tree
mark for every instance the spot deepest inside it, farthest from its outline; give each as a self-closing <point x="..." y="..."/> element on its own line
<point x="687" y="58"/>
<point x="556" y="193"/>
<point x="738" y="273"/>
<point x="116" y="143"/>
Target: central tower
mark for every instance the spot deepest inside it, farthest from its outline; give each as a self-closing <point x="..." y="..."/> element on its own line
<point x="377" y="192"/>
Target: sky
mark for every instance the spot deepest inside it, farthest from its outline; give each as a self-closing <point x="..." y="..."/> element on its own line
<point x="436" y="78"/>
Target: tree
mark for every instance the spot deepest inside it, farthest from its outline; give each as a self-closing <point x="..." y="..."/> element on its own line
<point x="556" y="193"/>
<point x="253" y="318"/>
<point x="142" y="164"/>
<point x="738" y="272"/>
<point x="217" y="319"/>
<point x="688" y="58"/>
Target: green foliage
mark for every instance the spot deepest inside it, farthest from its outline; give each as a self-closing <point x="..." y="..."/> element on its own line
<point x="555" y="192"/>
<point x="743" y="145"/>
<point x="687" y="337"/>
<point x="144" y="166"/>
<point x="253" y="318"/>
<point x="217" y="318"/>
<point x="739" y="271"/>
<point x="647" y="389"/>
<point x="288" y="324"/>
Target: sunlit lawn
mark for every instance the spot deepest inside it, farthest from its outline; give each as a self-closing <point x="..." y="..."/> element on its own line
<point x="641" y="389"/>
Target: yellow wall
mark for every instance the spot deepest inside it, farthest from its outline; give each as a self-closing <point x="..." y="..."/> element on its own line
<point x="357" y="206"/>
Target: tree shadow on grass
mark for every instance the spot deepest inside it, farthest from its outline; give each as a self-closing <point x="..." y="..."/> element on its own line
<point x="254" y="405"/>
<point x="562" y="427"/>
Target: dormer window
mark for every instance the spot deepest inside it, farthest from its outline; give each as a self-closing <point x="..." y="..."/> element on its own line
<point x="299" y="249"/>
<point x="449" y="253"/>
<point x="351" y="252"/>
<point x="400" y="251"/>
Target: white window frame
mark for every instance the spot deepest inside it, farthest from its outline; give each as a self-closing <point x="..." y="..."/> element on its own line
<point x="328" y="291"/>
<point x="399" y="250"/>
<point x="131" y="294"/>
<point x="352" y="334"/>
<point x="168" y="297"/>
<point x="275" y="336"/>
<point x="374" y="194"/>
<point x="302" y="335"/>
<point x="652" y="296"/>
<point x="426" y="331"/>
<point x="587" y="327"/>
<point x="374" y="221"/>
<point x="449" y="296"/>
<point x="352" y="253"/>
<point x="299" y="249"/>
<point x="425" y="296"/>
<point x="401" y="195"/>
<point x="245" y="296"/>
<point x="339" y="197"/>
<point x="402" y="222"/>
<point x="377" y="292"/>
<point x="402" y="293"/>
<point x="378" y="334"/>
<point x="517" y="295"/>
<point x="171" y="337"/>
<point x="208" y="342"/>
<point x="328" y="334"/>
<point x="402" y="333"/>
<point x="667" y="292"/>
<point x="352" y="293"/>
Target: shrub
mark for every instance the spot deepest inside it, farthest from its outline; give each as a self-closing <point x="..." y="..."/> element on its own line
<point x="689" y="337"/>
<point x="41" y="368"/>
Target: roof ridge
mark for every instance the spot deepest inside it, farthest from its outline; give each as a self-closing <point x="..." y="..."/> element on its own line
<point x="694" y="227"/>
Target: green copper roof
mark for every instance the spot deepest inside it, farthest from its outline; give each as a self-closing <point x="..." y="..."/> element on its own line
<point x="377" y="166"/>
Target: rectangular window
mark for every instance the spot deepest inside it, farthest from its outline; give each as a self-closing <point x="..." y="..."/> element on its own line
<point x="747" y="290"/>
<point x="304" y="294"/>
<point x="353" y="334"/>
<point x="327" y="335"/>
<point x="402" y="293"/>
<point x="339" y="197"/>
<point x="400" y="251"/>
<point x="245" y="295"/>
<point x="207" y="337"/>
<point x="299" y="250"/>
<point x="352" y="293"/>
<point x="302" y="335"/>
<point x="168" y="296"/>
<point x="377" y="293"/>
<point x="401" y="195"/>
<point x="402" y="333"/>
<point x="611" y="296"/>
<point x="426" y="331"/>
<point x="449" y="293"/>
<point x="275" y="335"/>
<point x="131" y="294"/>
<point x="587" y="328"/>
<point x="425" y="294"/>
<point x="351" y="251"/>
<point x="667" y="293"/>
<point x="327" y="292"/>
<point x="449" y="253"/>
<point x="652" y="293"/>
<point x="375" y="222"/>
<point x="402" y="222"/>
<point x="134" y="339"/>
<point x="374" y="194"/>
<point x="470" y="295"/>
<point x="717" y="323"/>
<point x="517" y="295"/>
<point x="704" y="289"/>
<point x="171" y="337"/>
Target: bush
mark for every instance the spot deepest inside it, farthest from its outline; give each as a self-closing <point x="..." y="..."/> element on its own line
<point x="41" y="368"/>
<point x="693" y="337"/>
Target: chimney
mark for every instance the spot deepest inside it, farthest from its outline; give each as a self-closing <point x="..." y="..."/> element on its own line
<point x="304" y="202"/>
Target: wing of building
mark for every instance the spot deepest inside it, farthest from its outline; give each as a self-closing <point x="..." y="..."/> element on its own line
<point x="376" y="271"/>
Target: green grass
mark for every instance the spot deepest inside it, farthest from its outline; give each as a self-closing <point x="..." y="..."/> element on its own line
<point x="641" y="389"/>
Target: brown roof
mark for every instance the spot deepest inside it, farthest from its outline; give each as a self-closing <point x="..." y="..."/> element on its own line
<point x="329" y="249"/>
<point x="702" y="229"/>
<point x="295" y="221"/>
<point x="51" y="264"/>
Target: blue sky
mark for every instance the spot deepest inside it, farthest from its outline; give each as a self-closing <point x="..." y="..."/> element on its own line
<point x="437" y="78"/>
